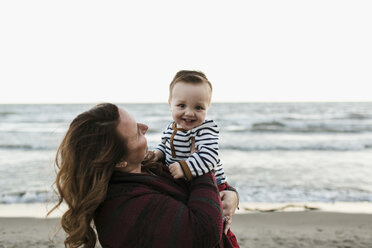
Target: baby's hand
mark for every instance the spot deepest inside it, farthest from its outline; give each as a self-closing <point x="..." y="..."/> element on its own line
<point x="158" y="155"/>
<point x="176" y="170"/>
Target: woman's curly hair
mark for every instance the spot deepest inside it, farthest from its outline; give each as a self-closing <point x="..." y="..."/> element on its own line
<point x="85" y="161"/>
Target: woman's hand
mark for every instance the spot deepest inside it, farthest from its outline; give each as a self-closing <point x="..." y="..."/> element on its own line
<point x="229" y="204"/>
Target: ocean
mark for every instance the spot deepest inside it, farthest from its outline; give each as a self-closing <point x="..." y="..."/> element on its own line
<point x="272" y="152"/>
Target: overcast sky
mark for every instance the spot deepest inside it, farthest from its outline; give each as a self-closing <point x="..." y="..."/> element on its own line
<point x="128" y="51"/>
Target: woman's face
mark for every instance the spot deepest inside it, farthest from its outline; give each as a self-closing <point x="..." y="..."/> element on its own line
<point x="134" y="133"/>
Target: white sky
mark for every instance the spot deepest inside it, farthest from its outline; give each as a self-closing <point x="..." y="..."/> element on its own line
<point x="128" y="51"/>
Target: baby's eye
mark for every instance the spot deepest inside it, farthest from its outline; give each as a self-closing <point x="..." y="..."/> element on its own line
<point x="181" y="105"/>
<point x="199" y="108"/>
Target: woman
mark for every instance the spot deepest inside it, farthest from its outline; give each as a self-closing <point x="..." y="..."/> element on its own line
<point x="107" y="174"/>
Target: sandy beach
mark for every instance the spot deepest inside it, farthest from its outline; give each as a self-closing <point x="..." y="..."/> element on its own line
<point x="254" y="230"/>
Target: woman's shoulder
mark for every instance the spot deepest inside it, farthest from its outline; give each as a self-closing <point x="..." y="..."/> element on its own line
<point x="128" y="185"/>
<point x="129" y="192"/>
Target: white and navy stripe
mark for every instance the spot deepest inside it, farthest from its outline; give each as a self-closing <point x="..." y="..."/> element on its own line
<point x="206" y="142"/>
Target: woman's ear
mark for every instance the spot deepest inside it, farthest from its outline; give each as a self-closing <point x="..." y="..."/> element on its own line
<point x="122" y="164"/>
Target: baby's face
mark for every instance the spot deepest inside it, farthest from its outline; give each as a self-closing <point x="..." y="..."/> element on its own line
<point x="189" y="104"/>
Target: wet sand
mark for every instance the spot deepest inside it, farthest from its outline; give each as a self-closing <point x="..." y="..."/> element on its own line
<point x="254" y="230"/>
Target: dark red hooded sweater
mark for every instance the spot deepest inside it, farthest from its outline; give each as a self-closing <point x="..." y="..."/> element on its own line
<point x="144" y="210"/>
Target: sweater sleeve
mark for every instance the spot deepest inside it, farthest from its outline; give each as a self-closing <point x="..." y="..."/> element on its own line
<point x="206" y="144"/>
<point x="202" y="215"/>
<point x="161" y="220"/>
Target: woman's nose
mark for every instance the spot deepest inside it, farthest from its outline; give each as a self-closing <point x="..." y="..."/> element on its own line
<point x="144" y="128"/>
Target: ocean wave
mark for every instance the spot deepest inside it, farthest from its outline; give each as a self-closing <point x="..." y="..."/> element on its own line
<point x="247" y="192"/>
<point x="26" y="197"/>
<point x="347" y="116"/>
<point x="268" y="126"/>
<point x="236" y="129"/>
<point x="286" y="126"/>
<point x="25" y="147"/>
<point x="6" y="113"/>
<point x="252" y="193"/>
<point x="313" y="127"/>
<point x="296" y="147"/>
<point x="358" y="116"/>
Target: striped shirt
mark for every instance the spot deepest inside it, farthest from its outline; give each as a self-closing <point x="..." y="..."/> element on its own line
<point x="176" y="147"/>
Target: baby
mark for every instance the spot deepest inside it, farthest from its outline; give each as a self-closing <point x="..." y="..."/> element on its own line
<point x="190" y="143"/>
<point x="190" y="95"/>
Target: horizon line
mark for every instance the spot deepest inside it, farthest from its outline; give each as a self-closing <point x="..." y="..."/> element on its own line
<point x="161" y="102"/>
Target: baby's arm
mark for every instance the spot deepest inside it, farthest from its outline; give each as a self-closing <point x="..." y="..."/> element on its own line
<point x="160" y="148"/>
<point x="158" y="155"/>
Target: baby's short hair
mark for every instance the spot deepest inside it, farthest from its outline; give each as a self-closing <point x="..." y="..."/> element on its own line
<point x="193" y="77"/>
